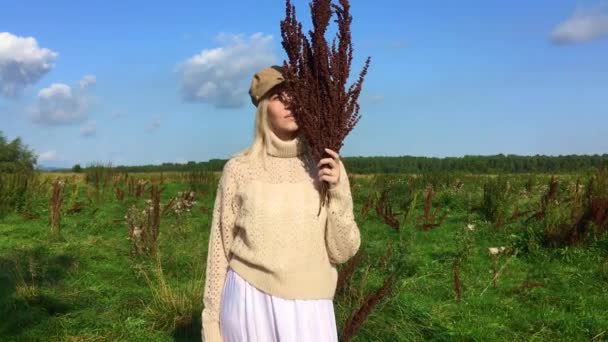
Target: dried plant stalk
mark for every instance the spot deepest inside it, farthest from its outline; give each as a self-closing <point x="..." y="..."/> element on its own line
<point x="385" y="210"/>
<point x="373" y="298"/>
<point x="347" y="271"/>
<point x="144" y="225"/>
<point x="355" y="321"/>
<point x="155" y="217"/>
<point x="457" y="284"/>
<point x="315" y="77"/>
<point x="429" y="218"/>
<point x="55" y="204"/>
<point x="367" y="205"/>
<point x="120" y="194"/>
<point x="140" y="188"/>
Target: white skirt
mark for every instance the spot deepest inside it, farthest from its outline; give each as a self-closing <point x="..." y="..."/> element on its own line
<point x="249" y="315"/>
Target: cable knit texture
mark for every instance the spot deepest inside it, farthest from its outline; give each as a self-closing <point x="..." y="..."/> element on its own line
<point x="265" y="227"/>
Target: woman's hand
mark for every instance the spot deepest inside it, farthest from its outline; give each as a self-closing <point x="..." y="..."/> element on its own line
<point x="331" y="174"/>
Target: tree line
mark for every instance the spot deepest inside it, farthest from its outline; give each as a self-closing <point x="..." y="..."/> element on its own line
<point x="411" y="164"/>
<point x="15" y="156"/>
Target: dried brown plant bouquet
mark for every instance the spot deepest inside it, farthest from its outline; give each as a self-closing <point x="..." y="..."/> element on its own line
<point x="315" y="78"/>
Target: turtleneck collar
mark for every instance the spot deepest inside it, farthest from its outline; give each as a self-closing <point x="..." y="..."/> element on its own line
<point x="286" y="149"/>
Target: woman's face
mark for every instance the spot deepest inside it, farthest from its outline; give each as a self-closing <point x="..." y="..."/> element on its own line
<point x="282" y="122"/>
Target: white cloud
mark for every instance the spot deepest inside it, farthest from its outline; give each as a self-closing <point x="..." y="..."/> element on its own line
<point x="59" y="104"/>
<point x="585" y="24"/>
<point x="89" y="130"/>
<point x="87" y="81"/>
<point x="47" y="156"/>
<point x="22" y="63"/>
<point x="221" y="76"/>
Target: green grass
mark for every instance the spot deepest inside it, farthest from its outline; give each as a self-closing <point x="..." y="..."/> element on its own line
<point x="85" y="286"/>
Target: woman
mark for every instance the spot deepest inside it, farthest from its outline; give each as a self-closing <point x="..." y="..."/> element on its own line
<point x="270" y="273"/>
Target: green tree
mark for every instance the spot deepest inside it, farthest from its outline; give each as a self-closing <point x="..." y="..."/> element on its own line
<point x="15" y="156"/>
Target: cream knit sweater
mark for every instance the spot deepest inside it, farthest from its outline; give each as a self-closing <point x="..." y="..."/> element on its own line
<point x="265" y="227"/>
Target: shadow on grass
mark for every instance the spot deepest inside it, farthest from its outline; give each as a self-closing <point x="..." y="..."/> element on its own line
<point x="189" y="333"/>
<point x="24" y="275"/>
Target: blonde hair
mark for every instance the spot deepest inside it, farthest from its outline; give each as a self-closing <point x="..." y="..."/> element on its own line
<point x="261" y="136"/>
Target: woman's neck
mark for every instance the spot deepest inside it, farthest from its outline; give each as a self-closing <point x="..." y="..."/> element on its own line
<point x="286" y="135"/>
<point x="286" y="148"/>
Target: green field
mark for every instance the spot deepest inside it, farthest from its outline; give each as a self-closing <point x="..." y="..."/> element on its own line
<point x="84" y="284"/>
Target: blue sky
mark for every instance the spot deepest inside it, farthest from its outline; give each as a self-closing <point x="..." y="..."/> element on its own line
<point x="153" y="82"/>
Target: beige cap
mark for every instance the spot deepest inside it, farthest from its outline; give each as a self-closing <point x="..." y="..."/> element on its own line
<point x="263" y="81"/>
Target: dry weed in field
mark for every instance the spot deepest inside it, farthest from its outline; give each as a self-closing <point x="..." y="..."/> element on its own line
<point x="387" y="265"/>
<point x="430" y="219"/>
<point x="120" y="194"/>
<point x="494" y="253"/>
<point x="55" y="204"/>
<point x="384" y="209"/>
<point x="346" y="271"/>
<point x="368" y="204"/>
<point x="144" y="225"/>
<point x="181" y="205"/>
<point x="359" y="316"/>
<point x="457" y="283"/>
<point x="567" y="221"/>
<point x="140" y="188"/>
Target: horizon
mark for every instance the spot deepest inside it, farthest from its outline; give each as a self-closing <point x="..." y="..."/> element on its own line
<point x="47" y="168"/>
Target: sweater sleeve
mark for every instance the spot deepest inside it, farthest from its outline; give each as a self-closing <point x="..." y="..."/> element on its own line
<point x="342" y="234"/>
<point x="221" y="235"/>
